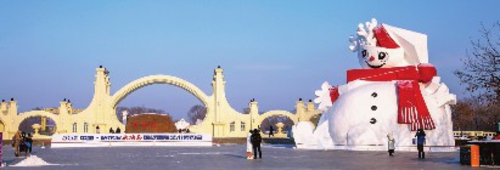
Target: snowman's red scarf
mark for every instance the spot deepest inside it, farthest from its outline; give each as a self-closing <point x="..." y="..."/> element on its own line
<point x="412" y="108"/>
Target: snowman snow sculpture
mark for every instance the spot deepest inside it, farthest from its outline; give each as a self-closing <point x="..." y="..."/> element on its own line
<point x="395" y="91"/>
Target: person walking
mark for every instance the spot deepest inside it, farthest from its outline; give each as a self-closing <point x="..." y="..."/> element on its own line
<point x="256" y="142"/>
<point x="16" y="143"/>
<point x="30" y="141"/>
<point x="249" y="145"/>
<point x="29" y="144"/>
<point x="420" y="143"/>
<point x="271" y="131"/>
<point x="22" y="144"/>
<point x="391" y="142"/>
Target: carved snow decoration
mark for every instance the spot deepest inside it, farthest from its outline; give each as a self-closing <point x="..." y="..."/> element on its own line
<point x="396" y="90"/>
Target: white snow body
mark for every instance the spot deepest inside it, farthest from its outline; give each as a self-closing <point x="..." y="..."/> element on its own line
<point x="366" y="111"/>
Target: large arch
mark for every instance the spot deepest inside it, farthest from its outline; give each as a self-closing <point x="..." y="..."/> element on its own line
<point x="158" y="79"/>
<point x="271" y="113"/>
<point x="35" y="113"/>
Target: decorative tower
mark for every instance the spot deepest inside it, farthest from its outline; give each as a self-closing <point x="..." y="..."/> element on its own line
<point x="218" y="85"/>
<point x="3" y="107"/>
<point x="300" y="110"/>
<point x="12" y="107"/>
<point x="254" y="113"/>
<point x="219" y="96"/>
<point x="102" y="86"/>
<point x="310" y="106"/>
<point x="64" y="115"/>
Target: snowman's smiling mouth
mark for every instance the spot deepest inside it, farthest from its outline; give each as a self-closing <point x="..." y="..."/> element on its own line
<point x="372" y="66"/>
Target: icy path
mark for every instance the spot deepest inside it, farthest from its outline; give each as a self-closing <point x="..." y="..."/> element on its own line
<point x="223" y="157"/>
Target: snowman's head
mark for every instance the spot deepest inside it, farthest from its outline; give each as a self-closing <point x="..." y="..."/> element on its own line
<point x="377" y="49"/>
<point x="380" y="57"/>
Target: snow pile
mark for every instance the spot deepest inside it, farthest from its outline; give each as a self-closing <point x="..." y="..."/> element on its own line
<point x="33" y="160"/>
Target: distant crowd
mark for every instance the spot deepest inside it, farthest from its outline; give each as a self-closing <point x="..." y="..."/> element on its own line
<point x="118" y="130"/>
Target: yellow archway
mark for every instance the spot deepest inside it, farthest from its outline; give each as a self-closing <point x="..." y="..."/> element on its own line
<point x="101" y="111"/>
<point x="21" y="117"/>
<point x="157" y="79"/>
<point x="272" y="113"/>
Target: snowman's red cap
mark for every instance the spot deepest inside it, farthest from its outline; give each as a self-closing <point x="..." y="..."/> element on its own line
<point x="371" y="33"/>
<point x="383" y="38"/>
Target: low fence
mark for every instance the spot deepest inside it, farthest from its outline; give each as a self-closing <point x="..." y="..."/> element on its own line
<point x="459" y="134"/>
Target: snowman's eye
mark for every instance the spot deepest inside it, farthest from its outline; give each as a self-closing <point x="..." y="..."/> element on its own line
<point x="382" y="55"/>
<point x="363" y="53"/>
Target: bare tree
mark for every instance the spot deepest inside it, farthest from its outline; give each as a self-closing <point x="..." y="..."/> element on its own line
<point x="462" y="115"/>
<point x="482" y="66"/>
<point x="481" y="74"/>
<point x="197" y="112"/>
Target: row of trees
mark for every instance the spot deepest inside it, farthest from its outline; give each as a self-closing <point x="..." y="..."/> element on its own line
<point x="471" y="114"/>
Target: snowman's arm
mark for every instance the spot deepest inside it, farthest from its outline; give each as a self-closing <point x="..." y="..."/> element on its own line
<point x="326" y="96"/>
<point x="441" y="92"/>
<point x="444" y="97"/>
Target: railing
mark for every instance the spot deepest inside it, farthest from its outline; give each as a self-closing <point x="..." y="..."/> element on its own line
<point x="468" y="134"/>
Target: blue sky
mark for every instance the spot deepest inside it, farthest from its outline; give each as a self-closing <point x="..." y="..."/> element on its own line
<point x="273" y="51"/>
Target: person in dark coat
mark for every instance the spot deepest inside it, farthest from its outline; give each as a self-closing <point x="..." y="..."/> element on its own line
<point x="111" y="130"/>
<point x="256" y="140"/>
<point x="271" y="131"/>
<point x="118" y="130"/>
<point x="22" y="146"/>
<point x="16" y="143"/>
<point x="420" y="143"/>
<point x="29" y="144"/>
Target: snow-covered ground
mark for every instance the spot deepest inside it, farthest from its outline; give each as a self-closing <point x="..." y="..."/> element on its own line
<point x="222" y="157"/>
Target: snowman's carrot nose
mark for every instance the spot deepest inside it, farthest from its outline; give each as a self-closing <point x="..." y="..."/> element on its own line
<point x="372" y="58"/>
